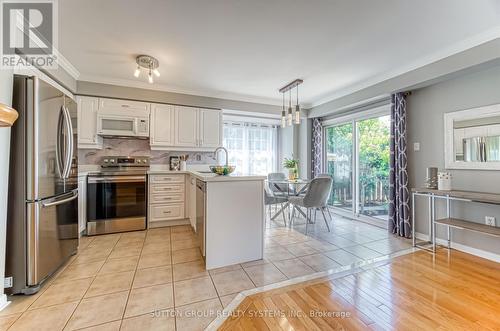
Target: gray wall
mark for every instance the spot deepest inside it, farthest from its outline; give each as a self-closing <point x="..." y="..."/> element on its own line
<point x="426" y="107"/>
<point x="122" y="92"/>
<point x="482" y="56"/>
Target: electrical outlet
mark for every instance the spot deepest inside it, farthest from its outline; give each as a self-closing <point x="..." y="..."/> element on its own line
<point x="7" y="282"/>
<point x="489" y="220"/>
<point x="416" y="147"/>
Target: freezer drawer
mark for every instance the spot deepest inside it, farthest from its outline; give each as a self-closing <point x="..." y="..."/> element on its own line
<point x="52" y="235"/>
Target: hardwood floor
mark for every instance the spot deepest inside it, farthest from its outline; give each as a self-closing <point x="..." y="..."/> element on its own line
<point x="418" y="291"/>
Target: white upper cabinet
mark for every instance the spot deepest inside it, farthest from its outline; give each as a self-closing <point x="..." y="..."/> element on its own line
<point x="186" y="127"/>
<point x="170" y="127"/>
<point x="210" y="133"/>
<point x="117" y="105"/>
<point x="87" y="123"/>
<point x="161" y="126"/>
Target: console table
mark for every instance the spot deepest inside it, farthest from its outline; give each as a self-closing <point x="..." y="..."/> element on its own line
<point x="449" y="221"/>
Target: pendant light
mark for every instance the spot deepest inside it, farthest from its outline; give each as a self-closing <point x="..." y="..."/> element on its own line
<point x="297" y="108"/>
<point x="287" y="116"/>
<point x="283" y="114"/>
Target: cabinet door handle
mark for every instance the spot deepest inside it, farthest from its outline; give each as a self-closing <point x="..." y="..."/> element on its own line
<point x="167" y="212"/>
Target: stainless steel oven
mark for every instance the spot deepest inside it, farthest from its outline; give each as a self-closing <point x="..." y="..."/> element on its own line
<point x="116" y="196"/>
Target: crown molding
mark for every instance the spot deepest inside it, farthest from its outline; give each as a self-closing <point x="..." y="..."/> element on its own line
<point x="66" y="65"/>
<point x="167" y="88"/>
<point x="462" y="46"/>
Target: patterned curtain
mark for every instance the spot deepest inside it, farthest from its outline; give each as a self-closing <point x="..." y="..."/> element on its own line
<point x="399" y="197"/>
<point x="317" y="147"/>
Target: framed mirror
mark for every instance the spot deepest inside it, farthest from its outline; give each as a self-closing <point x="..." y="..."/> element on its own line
<point x="472" y="138"/>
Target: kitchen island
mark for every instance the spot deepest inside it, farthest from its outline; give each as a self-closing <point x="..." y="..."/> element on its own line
<point x="229" y="216"/>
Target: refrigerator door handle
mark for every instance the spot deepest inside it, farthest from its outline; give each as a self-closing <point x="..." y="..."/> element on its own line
<point x="59" y="156"/>
<point x="55" y="202"/>
<point x="69" y="143"/>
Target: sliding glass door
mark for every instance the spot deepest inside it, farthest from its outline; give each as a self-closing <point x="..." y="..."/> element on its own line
<point x="339" y="164"/>
<point x="357" y="157"/>
<point x="373" y="166"/>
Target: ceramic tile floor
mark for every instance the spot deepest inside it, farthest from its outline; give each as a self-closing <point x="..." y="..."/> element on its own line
<point x="155" y="279"/>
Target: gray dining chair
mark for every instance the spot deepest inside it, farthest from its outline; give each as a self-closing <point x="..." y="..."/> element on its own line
<point x="327" y="209"/>
<point x="270" y="199"/>
<point x="277" y="188"/>
<point x="315" y="198"/>
<point x="323" y="175"/>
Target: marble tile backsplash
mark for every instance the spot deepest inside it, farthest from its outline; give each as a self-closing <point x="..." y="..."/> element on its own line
<point x="138" y="147"/>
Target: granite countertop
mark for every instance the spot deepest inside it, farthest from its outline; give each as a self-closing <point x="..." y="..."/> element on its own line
<point x="208" y="177"/>
<point x="198" y="172"/>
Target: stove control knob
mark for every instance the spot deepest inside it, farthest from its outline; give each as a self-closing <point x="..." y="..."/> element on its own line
<point x="106" y="160"/>
<point x="112" y="161"/>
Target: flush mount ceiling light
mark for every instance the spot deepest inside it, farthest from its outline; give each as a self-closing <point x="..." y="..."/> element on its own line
<point x="288" y="119"/>
<point x="150" y="64"/>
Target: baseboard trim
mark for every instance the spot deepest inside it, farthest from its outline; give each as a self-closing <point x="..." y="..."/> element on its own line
<point x="463" y="248"/>
<point x="3" y="301"/>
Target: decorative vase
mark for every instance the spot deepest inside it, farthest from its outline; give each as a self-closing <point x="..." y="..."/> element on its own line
<point x="431" y="180"/>
<point x="444" y="181"/>
<point x="293" y="173"/>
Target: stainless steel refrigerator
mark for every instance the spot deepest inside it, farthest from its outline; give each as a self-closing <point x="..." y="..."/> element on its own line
<point x="42" y="223"/>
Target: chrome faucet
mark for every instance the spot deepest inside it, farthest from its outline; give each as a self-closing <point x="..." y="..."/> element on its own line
<point x="225" y="150"/>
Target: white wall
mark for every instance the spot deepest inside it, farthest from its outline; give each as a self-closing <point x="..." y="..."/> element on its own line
<point x="6" y="98"/>
<point x="286" y="146"/>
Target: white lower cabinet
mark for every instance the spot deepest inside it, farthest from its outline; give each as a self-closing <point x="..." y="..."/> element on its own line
<point x="167" y="199"/>
<point x="82" y="203"/>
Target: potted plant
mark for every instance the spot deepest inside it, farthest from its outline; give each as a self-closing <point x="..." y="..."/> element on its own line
<point x="293" y="168"/>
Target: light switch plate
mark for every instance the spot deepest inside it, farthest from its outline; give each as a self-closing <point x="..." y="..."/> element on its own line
<point x="416" y="147"/>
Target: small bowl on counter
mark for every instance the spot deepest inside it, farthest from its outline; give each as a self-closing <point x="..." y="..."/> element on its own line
<point x="222" y="170"/>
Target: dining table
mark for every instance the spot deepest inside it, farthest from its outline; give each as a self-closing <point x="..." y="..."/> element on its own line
<point x="288" y="187"/>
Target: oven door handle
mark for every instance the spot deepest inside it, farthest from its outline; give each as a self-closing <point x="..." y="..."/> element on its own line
<point x="117" y="179"/>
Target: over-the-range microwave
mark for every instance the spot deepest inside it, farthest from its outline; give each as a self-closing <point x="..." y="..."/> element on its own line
<point x="122" y="125"/>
